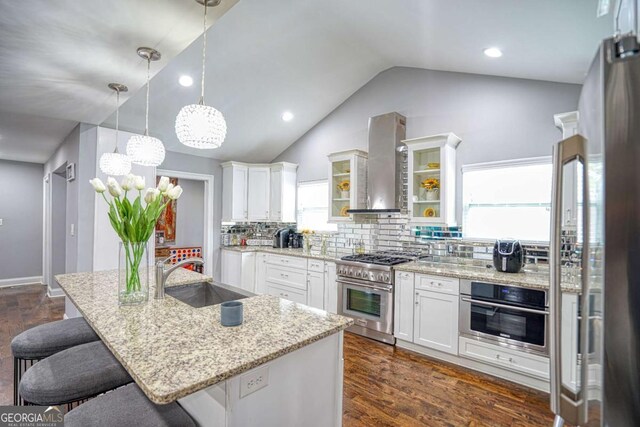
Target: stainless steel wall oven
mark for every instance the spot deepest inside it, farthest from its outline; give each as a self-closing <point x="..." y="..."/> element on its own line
<point x="506" y="315"/>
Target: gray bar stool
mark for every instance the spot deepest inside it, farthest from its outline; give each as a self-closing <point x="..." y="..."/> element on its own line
<point x="73" y="376"/>
<point x="127" y="406"/>
<point x="43" y="341"/>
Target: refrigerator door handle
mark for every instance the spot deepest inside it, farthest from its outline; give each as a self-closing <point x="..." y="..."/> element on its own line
<point x="568" y="404"/>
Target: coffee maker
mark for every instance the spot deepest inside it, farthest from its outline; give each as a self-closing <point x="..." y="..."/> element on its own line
<point x="281" y="238"/>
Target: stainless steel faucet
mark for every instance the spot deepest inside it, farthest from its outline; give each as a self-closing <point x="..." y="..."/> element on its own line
<point x="163" y="273"/>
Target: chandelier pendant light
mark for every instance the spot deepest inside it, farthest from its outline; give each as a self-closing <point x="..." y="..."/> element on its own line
<point x="146" y="150"/>
<point x="115" y="163"/>
<point x="199" y="125"/>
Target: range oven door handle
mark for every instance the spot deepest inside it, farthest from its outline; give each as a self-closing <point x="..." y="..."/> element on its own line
<point x="366" y="285"/>
<point x="510" y="307"/>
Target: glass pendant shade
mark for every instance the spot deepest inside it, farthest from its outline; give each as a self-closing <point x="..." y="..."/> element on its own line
<point x="115" y="164"/>
<point x="145" y="150"/>
<point x="201" y="126"/>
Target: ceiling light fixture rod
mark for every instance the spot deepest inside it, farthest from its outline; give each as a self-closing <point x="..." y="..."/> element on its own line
<point x="204" y="51"/>
<point x="150" y="55"/>
<point x="117" y="87"/>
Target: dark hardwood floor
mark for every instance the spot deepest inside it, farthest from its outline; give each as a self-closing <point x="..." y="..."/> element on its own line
<point x="389" y="386"/>
<point x="384" y="385"/>
<point x="21" y="308"/>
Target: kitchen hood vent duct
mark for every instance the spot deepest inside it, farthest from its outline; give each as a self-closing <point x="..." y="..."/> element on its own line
<point x="386" y="165"/>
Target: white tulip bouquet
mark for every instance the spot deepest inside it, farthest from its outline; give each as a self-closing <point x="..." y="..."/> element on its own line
<point x="135" y="223"/>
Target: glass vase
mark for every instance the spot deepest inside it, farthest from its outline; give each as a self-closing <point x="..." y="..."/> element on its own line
<point x="133" y="273"/>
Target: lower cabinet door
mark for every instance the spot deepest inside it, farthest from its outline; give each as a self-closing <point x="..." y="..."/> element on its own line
<point x="315" y="289"/>
<point x="231" y="268"/>
<point x="261" y="273"/>
<point x="287" y="293"/>
<point x="330" y="288"/>
<point x="403" y="306"/>
<point x="436" y="321"/>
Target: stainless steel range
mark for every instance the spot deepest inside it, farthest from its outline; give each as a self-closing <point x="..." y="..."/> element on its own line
<point x="365" y="291"/>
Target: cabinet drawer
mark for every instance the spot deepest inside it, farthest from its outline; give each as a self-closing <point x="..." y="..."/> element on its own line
<point x="287" y="293"/>
<point x="445" y="285"/>
<point x="290" y="277"/>
<point x="513" y="360"/>
<point x="287" y="261"/>
<point x="315" y="265"/>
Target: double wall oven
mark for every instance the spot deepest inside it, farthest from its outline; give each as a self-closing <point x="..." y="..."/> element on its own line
<point x="365" y="292"/>
<point x="508" y="315"/>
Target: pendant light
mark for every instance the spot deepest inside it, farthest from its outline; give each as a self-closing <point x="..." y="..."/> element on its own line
<point x="199" y="125"/>
<point x="116" y="164"/>
<point x="146" y="150"/>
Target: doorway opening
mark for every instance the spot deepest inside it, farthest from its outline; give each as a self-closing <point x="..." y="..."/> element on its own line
<point x="186" y="230"/>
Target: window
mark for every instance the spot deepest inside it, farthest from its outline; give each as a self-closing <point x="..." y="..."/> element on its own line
<point x="507" y="199"/>
<point x="313" y="206"/>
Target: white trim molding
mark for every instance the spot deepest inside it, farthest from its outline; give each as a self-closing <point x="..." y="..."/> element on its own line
<point x="54" y="293"/>
<point x="19" y="281"/>
<point x="208" y="211"/>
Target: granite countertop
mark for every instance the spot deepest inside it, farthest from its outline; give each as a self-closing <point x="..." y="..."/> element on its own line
<point x="523" y="279"/>
<point x="280" y="251"/>
<point x="172" y="349"/>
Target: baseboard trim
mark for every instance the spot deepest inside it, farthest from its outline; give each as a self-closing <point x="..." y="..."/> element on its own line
<point x="54" y="293"/>
<point x="19" y="281"/>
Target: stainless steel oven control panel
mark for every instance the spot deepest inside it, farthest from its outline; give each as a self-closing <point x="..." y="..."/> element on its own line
<point x="365" y="272"/>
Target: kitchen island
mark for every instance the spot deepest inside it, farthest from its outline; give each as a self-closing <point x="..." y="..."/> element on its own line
<point x="282" y="366"/>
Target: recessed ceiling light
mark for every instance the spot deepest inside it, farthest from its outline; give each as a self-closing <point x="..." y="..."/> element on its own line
<point x="493" y="52"/>
<point x="185" y="81"/>
<point x="287" y="116"/>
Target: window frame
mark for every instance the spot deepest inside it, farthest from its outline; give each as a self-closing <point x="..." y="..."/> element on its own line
<point x="501" y="164"/>
<point x="333" y="226"/>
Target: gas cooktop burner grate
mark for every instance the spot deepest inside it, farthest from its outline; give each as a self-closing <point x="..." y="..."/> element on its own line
<point x="377" y="259"/>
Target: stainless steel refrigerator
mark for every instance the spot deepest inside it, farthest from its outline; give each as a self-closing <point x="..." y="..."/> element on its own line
<point x="595" y="261"/>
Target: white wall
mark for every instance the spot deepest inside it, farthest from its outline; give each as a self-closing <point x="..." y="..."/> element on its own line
<point x="190" y="214"/>
<point x="106" y="241"/>
<point x="497" y="118"/>
<point x="21" y="213"/>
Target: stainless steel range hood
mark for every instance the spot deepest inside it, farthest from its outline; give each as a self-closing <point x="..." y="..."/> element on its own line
<point x="385" y="163"/>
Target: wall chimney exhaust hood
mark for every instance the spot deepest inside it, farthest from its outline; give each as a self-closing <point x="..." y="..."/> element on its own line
<point x="385" y="164"/>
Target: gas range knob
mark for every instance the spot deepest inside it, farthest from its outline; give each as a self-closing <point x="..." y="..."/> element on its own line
<point x="351" y="272"/>
<point x="387" y="277"/>
<point x="380" y="277"/>
<point x="359" y="273"/>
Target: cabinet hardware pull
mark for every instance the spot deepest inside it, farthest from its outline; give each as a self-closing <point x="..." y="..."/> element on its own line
<point x="417" y="303"/>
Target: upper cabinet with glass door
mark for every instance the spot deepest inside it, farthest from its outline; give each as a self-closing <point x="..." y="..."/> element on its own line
<point x="432" y="178"/>
<point x="347" y="183"/>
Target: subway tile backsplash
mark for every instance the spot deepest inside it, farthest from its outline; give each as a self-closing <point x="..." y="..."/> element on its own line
<point x="436" y="243"/>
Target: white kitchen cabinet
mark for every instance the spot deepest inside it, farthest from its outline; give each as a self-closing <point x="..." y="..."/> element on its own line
<point x="315" y="290"/>
<point x="505" y="358"/>
<point x="330" y="288"/>
<point x="282" y="196"/>
<point x="234" y="191"/>
<point x="258" y="193"/>
<point x="238" y="269"/>
<point x="287" y="293"/>
<point x="261" y="273"/>
<point x="432" y="158"/>
<point x="403" y="306"/>
<point x="347" y="167"/>
<point x="436" y="321"/>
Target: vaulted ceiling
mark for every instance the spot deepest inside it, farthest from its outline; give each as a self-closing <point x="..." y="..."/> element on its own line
<point x="267" y="57"/>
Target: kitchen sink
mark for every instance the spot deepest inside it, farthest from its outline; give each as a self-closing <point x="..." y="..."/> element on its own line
<point x="203" y="294"/>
